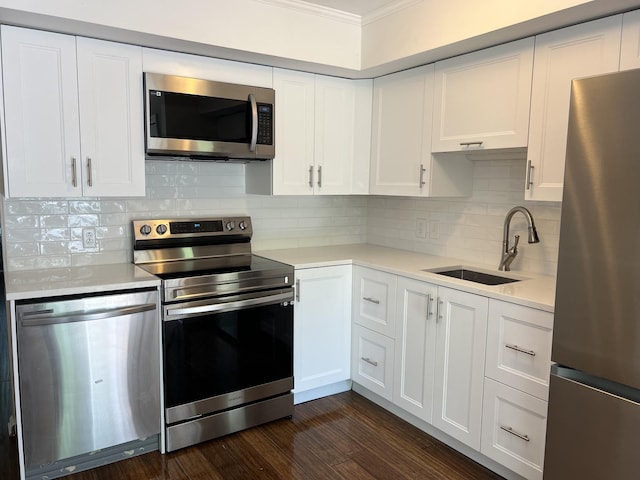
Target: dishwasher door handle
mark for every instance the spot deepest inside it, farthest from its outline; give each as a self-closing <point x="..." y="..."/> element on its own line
<point x="46" y="318"/>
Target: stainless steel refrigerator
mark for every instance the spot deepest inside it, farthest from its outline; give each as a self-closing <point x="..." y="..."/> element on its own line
<point x="593" y="427"/>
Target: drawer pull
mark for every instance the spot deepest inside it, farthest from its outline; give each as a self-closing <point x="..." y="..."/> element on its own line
<point x="516" y="434"/>
<point x="520" y="349"/>
<point x="369" y="361"/>
<point x="469" y="144"/>
<point x="371" y="300"/>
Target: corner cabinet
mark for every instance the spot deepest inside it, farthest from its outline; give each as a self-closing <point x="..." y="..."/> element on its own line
<point x="560" y="56"/>
<point x="322" y="135"/>
<point x="322" y="330"/>
<point x="73" y="116"/>
<point x="481" y="99"/>
<point x="401" y="159"/>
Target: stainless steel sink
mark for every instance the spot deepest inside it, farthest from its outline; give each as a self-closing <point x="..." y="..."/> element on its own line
<point x="473" y="275"/>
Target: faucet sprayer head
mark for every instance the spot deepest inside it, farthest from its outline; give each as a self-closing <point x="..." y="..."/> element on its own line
<point x="533" y="235"/>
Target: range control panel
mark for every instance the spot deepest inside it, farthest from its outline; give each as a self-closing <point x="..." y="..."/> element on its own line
<point x="157" y="229"/>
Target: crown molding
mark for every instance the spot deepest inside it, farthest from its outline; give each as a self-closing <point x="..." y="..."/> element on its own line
<point x="313" y="9"/>
<point x="339" y="15"/>
<point x="387" y="10"/>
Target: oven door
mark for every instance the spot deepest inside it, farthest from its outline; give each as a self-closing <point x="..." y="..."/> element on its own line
<point x="227" y="352"/>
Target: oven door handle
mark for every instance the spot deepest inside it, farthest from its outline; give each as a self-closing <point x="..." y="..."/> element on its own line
<point x="229" y="306"/>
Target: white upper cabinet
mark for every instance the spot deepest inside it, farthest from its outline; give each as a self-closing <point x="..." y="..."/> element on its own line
<point x="73" y="116"/>
<point x="111" y="118"/>
<point x="322" y="131"/>
<point x="293" y="166"/>
<point x="630" y="48"/>
<point x="401" y="160"/>
<point x="481" y="100"/>
<point x="583" y="50"/>
<point x="401" y="132"/>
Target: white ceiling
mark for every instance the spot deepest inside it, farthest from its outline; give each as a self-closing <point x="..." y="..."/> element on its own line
<point x="356" y="7"/>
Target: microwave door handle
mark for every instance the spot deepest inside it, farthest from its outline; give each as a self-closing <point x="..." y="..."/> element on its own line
<point x="254" y="122"/>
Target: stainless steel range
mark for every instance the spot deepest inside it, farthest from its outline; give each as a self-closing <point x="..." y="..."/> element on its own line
<point x="227" y="319"/>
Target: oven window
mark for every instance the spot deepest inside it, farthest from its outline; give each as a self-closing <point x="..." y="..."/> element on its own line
<point x="197" y="117"/>
<point x="220" y="353"/>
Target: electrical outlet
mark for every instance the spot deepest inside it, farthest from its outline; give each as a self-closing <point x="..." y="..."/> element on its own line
<point x="89" y="237"/>
<point x="421" y="228"/>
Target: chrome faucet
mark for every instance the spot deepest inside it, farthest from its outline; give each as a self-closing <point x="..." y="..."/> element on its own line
<point x="508" y="254"/>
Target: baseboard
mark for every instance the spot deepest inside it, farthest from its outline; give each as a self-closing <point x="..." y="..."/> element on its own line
<point x="436" y="433"/>
<point x="325" y="391"/>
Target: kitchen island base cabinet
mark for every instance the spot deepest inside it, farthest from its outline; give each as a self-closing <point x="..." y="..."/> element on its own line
<point x="322" y="331"/>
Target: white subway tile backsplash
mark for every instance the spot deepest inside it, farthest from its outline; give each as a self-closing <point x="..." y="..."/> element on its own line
<point x="43" y="233"/>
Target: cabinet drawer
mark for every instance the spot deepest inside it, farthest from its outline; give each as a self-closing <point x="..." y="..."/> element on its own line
<point x="372" y="361"/>
<point x="519" y="347"/>
<point x="374" y="300"/>
<point x="513" y="429"/>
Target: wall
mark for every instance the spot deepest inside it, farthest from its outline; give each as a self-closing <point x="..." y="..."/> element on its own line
<point x="44" y="233"/>
<point x="471" y="228"/>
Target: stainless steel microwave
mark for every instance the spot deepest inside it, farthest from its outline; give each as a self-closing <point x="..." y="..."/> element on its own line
<point x="206" y="120"/>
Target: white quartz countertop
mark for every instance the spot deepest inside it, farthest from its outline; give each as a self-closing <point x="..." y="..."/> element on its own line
<point x="534" y="290"/>
<point x="53" y="282"/>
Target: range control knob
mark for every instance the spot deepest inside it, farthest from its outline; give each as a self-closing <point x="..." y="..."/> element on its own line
<point x="161" y="229"/>
<point x="145" y="229"/>
<point x="230" y="226"/>
<point x="242" y="225"/>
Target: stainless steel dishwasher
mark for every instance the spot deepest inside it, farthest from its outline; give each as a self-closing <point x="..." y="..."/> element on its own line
<point x="89" y="373"/>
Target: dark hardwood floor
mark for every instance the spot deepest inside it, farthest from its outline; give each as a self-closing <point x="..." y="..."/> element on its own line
<point x="344" y="436"/>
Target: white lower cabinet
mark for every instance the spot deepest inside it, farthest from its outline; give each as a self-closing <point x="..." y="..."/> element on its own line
<point x="374" y="300"/>
<point x="473" y="367"/>
<point x="513" y="429"/>
<point x="519" y="347"/>
<point x="415" y="347"/>
<point x="372" y="361"/>
<point x="322" y="327"/>
<point x="459" y="373"/>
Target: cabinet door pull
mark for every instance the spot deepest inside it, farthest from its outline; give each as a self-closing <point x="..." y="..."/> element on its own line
<point x="422" y="170"/>
<point x="74" y="172"/>
<point x="311" y="176"/>
<point x="89" y="172"/>
<point x="371" y="300"/>
<point x="320" y="176"/>
<point x="297" y="290"/>
<point x="369" y="361"/>
<point x="429" y="305"/>
<point x="520" y="349"/>
<point x="529" y="175"/>
<point x="440" y="305"/>
<point x="469" y="144"/>
<point x="514" y="433"/>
